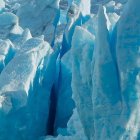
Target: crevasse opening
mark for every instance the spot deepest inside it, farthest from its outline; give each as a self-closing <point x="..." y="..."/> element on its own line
<point x="69" y="69"/>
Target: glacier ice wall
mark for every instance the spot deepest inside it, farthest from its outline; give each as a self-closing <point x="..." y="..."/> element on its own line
<point x="69" y="70"/>
<point x="81" y="78"/>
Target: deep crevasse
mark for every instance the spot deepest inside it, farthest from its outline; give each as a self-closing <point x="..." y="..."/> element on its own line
<point x="75" y="78"/>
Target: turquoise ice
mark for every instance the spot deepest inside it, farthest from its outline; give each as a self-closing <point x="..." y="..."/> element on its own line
<point x="69" y="69"/>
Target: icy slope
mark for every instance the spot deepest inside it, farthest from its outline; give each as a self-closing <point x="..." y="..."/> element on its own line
<point x="69" y="70"/>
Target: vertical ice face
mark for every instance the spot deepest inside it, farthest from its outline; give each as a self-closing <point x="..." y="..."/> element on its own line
<point x="75" y="18"/>
<point x="65" y="103"/>
<point x="106" y="91"/>
<point x="65" y="90"/>
<point x="74" y="131"/>
<point x="128" y="48"/>
<point x="65" y="75"/>
<point x="41" y="17"/>
<point x="128" y="52"/>
<point x="25" y="81"/>
<point x="40" y="100"/>
<point x="89" y="90"/>
<point x="82" y="50"/>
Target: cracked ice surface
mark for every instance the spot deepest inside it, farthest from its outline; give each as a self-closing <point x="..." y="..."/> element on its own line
<point x="69" y="69"/>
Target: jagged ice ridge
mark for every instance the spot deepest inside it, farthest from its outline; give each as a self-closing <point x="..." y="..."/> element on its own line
<point x="69" y="70"/>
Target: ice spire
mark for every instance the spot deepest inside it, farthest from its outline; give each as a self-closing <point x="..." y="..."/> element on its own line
<point x="106" y="94"/>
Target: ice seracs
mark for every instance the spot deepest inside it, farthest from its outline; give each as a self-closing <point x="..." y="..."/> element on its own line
<point x="82" y="51"/>
<point x="68" y="72"/>
<point x="106" y="89"/>
<point x="41" y="17"/>
<point x="29" y="57"/>
<point x="128" y="30"/>
<point x="17" y="84"/>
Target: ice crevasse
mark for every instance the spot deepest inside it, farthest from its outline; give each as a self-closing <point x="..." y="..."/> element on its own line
<point x="69" y="70"/>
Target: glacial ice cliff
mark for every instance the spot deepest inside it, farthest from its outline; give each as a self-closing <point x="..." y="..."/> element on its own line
<point x="69" y="69"/>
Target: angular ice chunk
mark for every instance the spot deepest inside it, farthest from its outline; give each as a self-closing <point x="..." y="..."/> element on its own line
<point x="40" y="18"/>
<point x="15" y="82"/>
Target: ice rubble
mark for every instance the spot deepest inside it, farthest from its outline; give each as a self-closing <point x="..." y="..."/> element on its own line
<point x="29" y="17"/>
<point x="69" y="79"/>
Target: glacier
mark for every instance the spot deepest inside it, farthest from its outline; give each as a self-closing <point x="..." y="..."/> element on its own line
<point x="69" y="69"/>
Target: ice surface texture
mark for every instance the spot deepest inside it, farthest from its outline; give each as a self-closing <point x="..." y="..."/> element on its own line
<point x="69" y="70"/>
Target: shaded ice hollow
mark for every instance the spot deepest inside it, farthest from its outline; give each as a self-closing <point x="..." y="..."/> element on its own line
<point x="69" y="70"/>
